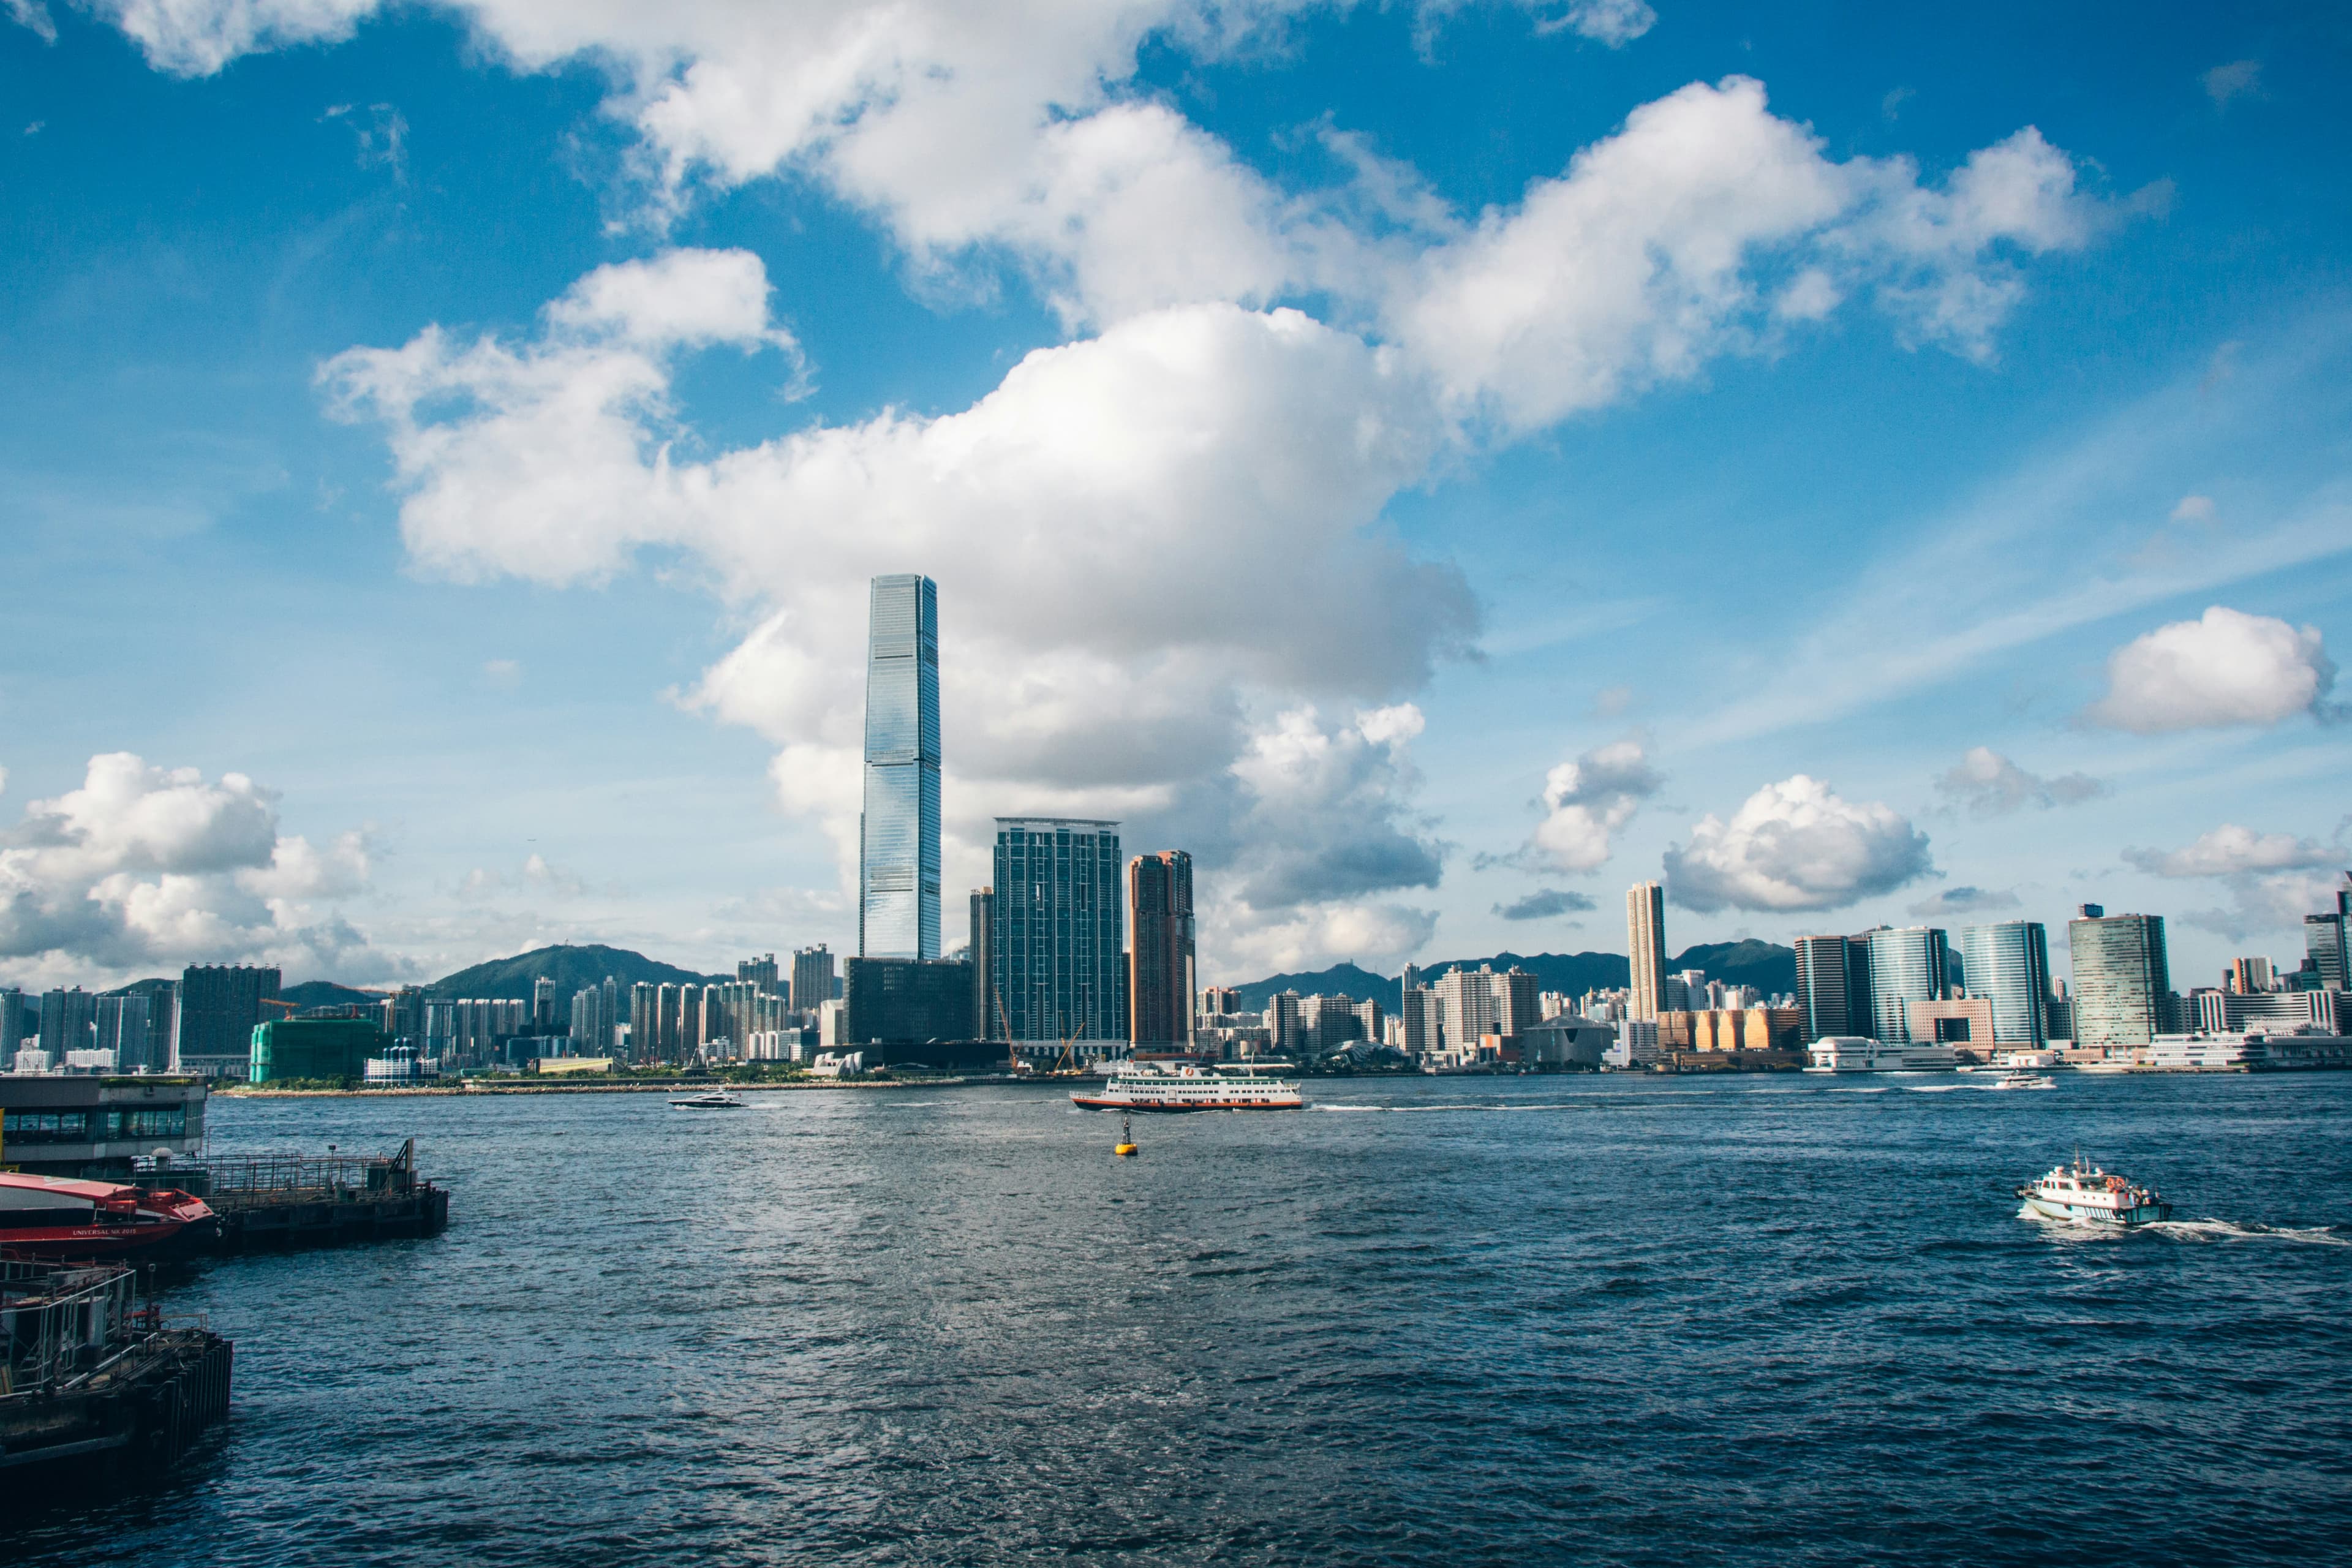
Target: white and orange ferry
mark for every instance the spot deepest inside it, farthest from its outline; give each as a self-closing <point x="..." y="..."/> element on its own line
<point x="1151" y="1086"/>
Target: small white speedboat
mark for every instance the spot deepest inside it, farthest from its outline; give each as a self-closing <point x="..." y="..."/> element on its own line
<point x="2026" y="1081"/>
<point x="712" y="1100"/>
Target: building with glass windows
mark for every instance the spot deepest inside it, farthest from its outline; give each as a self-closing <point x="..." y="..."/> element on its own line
<point x="1057" y="951"/>
<point x="1159" y="921"/>
<point x="2008" y="964"/>
<point x="1833" y="986"/>
<point x="898" y="830"/>
<point x="812" y="978"/>
<point x="1907" y="965"/>
<point x="219" y="1007"/>
<point x="2123" y="979"/>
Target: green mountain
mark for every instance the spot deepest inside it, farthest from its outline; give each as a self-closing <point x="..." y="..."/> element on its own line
<point x="325" y="994"/>
<point x="1339" y="980"/>
<point x="1770" y="968"/>
<point x="1573" y="972"/>
<point x="1767" y="967"/>
<point x="572" y="968"/>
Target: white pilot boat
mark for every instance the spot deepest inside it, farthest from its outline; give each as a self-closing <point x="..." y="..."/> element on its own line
<point x="1151" y="1086"/>
<point x="2026" y="1080"/>
<point x="2088" y="1195"/>
<point x="709" y="1100"/>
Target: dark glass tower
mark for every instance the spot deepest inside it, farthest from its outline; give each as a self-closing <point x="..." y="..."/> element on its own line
<point x="1833" y="986"/>
<point x="1060" y="967"/>
<point x="898" y="831"/>
<point x="1160" y="924"/>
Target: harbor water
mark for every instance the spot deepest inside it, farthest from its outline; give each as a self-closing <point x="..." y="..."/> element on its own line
<point x="1752" y="1319"/>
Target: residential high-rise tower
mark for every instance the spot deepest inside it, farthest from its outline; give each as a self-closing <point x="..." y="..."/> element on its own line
<point x="898" y="831"/>
<point x="1058" y="950"/>
<point x="1646" y="948"/>
<point x="219" y="1009"/>
<point x="1160" y="927"/>
<point x="812" y="977"/>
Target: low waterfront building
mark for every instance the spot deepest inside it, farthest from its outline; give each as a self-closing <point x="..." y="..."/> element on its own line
<point x="1970" y="1022"/>
<point x="2230" y="1012"/>
<point x="2248" y="1052"/>
<point x="97" y="1126"/>
<point x="1564" y="1043"/>
<point x="401" y="1065"/>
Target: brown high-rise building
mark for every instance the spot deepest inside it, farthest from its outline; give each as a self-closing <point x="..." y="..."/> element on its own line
<point x="1645" y="948"/>
<point x="1160" y="964"/>
<point x="985" y="1022"/>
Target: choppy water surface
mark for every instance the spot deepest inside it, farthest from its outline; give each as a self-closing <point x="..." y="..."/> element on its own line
<point x="1749" y="1321"/>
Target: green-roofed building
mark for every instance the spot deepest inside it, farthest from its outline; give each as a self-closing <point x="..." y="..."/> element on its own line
<point x="316" y="1048"/>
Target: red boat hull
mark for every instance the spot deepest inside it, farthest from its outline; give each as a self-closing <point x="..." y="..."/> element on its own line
<point x="49" y="1217"/>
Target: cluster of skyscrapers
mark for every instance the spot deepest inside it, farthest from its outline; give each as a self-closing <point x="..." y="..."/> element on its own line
<point x="1048" y="969"/>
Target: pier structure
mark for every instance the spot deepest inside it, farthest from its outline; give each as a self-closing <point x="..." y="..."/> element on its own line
<point x="280" y="1202"/>
<point x="85" y="1368"/>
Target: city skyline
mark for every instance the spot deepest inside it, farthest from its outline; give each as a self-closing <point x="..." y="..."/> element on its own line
<point x="1843" y="497"/>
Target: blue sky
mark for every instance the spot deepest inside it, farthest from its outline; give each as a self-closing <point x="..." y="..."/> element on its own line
<point x="1440" y="464"/>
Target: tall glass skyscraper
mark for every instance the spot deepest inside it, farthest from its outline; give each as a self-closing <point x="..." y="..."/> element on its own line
<point x="1834" y="986"/>
<point x="1059" y="950"/>
<point x="2123" y="978"/>
<point x="2008" y="964"/>
<point x="1905" y="966"/>
<point x="898" y="832"/>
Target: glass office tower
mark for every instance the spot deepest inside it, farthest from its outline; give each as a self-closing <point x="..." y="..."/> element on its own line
<point x="1905" y="966"/>
<point x="2008" y="964"/>
<point x="2123" y="978"/>
<point x="1833" y="986"/>
<point x="1058" y="948"/>
<point x="898" y="831"/>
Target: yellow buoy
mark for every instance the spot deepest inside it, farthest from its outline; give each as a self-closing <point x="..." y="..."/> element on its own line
<point x="1123" y="1149"/>
<point x="1126" y="1139"/>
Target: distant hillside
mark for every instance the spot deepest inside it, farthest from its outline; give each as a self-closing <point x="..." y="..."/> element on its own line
<point x="1339" y="980"/>
<point x="1770" y="968"/>
<point x="1767" y="967"/>
<point x="1573" y="972"/>
<point x="572" y="968"/>
<point x="143" y="987"/>
<point x="325" y="994"/>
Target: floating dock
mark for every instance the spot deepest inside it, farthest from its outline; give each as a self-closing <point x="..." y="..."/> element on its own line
<point x="86" y="1369"/>
<point x="281" y="1202"/>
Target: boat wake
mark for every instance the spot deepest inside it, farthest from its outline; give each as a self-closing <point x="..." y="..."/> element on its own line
<point x="2231" y="1230"/>
<point x="1414" y="1110"/>
<point x="2205" y="1230"/>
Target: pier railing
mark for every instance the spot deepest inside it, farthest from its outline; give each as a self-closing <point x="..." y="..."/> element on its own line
<point x="239" y="1180"/>
<point x="60" y="1322"/>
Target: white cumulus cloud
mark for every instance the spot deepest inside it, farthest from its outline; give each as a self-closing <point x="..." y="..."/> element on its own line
<point x="1795" y="844"/>
<point x="1990" y="785"/>
<point x="144" y="868"/>
<point x="2226" y="667"/>
<point x="2230" y="849"/>
<point x="1588" y="800"/>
